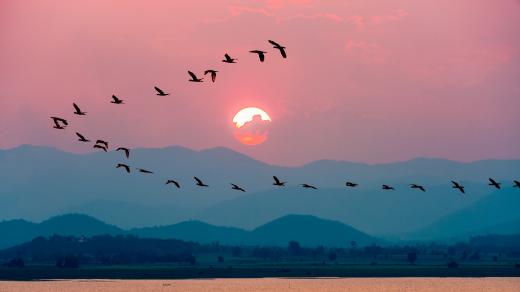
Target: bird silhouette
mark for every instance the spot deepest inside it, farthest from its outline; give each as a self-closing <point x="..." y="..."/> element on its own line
<point x="171" y="181"/>
<point x="199" y="182"/>
<point x="279" y="47"/>
<point x="235" y="187"/>
<point x="494" y="183"/>
<point x="126" y="167"/>
<point x="116" y="100"/>
<point x="194" y="77"/>
<point x="261" y="54"/>
<point x="160" y="92"/>
<point x="77" y="110"/>
<point x="414" y="186"/>
<point x="387" y="187"/>
<point x="351" y="184"/>
<point x="57" y="122"/>
<point x="82" y="138"/>
<point x="278" y="182"/>
<point x="517" y="184"/>
<point x="105" y="143"/>
<point x="213" y="74"/>
<point x="307" y="186"/>
<point x="458" y="186"/>
<point x="144" y="171"/>
<point x="228" y="59"/>
<point x="97" y="146"/>
<point x="126" y="150"/>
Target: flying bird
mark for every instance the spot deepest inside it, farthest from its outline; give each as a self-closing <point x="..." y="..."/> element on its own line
<point x="517" y="184"/>
<point x="414" y="186"/>
<point x="77" y="110"/>
<point x="199" y="182"/>
<point x="116" y="100"/>
<point x="277" y="182"/>
<point x="97" y="146"/>
<point x="213" y="74"/>
<point x="144" y="171"/>
<point x="105" y="143"/>
<point x="387" y="187"/>
<point x="351" y="184"/>
<point x="279" y="47"/>
<point x="228" y="59"/>
<point x="160" y="92"/>
<point x="194" y="77"/>
<point x="235" y="187"/>
<point x="261" y="54"/>
<point x="171" y="181"/>
<point x="493" y="183"/>
<point x="59" y="123"/>
<point x="126" y="150"/>
<point x="307" y="186"/>
<point x="458" y="186"/>
<point x="82" y="138"/>
<point x="126" y="167"/>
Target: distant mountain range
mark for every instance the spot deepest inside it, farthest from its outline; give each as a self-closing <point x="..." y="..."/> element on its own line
<point x="307" y="230"/>
<point x="41" y="182"/>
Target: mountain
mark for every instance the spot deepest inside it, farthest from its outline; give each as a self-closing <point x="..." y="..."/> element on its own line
<point x="18" y="231"/>
<point x="308" y="230"/>
<point x="41" y="182"/>
<point x="493" y="214"/>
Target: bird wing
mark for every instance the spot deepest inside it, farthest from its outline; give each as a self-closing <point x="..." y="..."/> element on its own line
<point x="80" y="136"/>
<point x="227" y="57"/>
<point x="193" y="76"/>
<point x="493" y="181"/>
<point x="274" y="43"/>
<point x="208" y="71"/>
<point x="261" y="56"/>
<point x="76" y="107"/>
<point x="158" y="90"/>
<point x="213" y="76"/>
<point x="115" y="98"/>
<point x="198" y="180"/>
<point x="276" y="179"/>
<point x="176" y="184"/>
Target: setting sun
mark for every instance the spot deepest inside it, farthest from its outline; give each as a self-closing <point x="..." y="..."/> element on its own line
<point x="251" y="126"/>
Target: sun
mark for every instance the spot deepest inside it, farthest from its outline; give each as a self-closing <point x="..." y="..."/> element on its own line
<point x="251" y="126"/>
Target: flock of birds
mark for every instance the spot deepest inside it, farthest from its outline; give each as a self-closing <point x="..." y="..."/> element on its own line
<point x="61" y="124"/>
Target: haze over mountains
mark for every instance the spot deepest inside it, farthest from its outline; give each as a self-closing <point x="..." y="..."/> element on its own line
<point x="40" y="182"/>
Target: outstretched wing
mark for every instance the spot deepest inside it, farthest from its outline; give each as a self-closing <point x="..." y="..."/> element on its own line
<point x="76" y="107"/>
<point x="158" y="90"/>
<point x="193" y="76"/>
<point x="274" y="43"/>
<point x="198" y="180"/>
<point x="276" y="180"/>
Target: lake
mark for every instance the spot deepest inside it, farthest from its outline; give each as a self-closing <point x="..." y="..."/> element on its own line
<point x="273" y="284"/>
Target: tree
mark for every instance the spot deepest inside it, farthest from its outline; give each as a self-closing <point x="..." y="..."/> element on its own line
<point x="236" y="251"/>
<point x="412" y="257"/>
<point x="332" y="256"/>
<point x="294" y="248"/>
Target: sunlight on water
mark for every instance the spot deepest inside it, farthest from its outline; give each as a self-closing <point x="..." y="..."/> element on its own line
<point x="269" y="284"/>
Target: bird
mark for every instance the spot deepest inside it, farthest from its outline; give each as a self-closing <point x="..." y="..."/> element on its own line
<point x="351" y="184"/>
<point x="414" y="186"/>
<point x="228" y="59"/>
<point x="387" y="187"/>
<point x="235" y="187"/>
<point x="494" y="183"/>
<point x="261" y="54"/>
<point x="97" y="146"/>
<point x="82" y="138"/>
<point x="160" y="92"/>
<point x="116" y="100"/>
<point x="277" y="182"/>
<point x="77" y="110"/>
<point x="458" y="186"/>
<point x="307" y="186"/>
<point x="213" y="74"/>
<point x="126" y="167"/>
<point x="144" y="171"/>
<point x="171" y="181"/>
<point x="517" y="184"/>
<point x="279" y="47"/>
<point x="105" y="143"/>
<point x="126" y="150"/>
<point x="194" y="77"/>
<point x="199" y="182"/>
<point x="57" y="122"/>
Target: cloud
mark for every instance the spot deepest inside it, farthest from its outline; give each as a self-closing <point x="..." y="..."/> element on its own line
<point x="368" y="52"/>
<point x="396" y="15"/>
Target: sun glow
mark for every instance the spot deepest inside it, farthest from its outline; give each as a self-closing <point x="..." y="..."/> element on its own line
<point x="251" y="126"/>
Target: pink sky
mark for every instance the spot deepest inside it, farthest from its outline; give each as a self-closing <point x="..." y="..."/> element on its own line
<point x="365" y="80"/>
